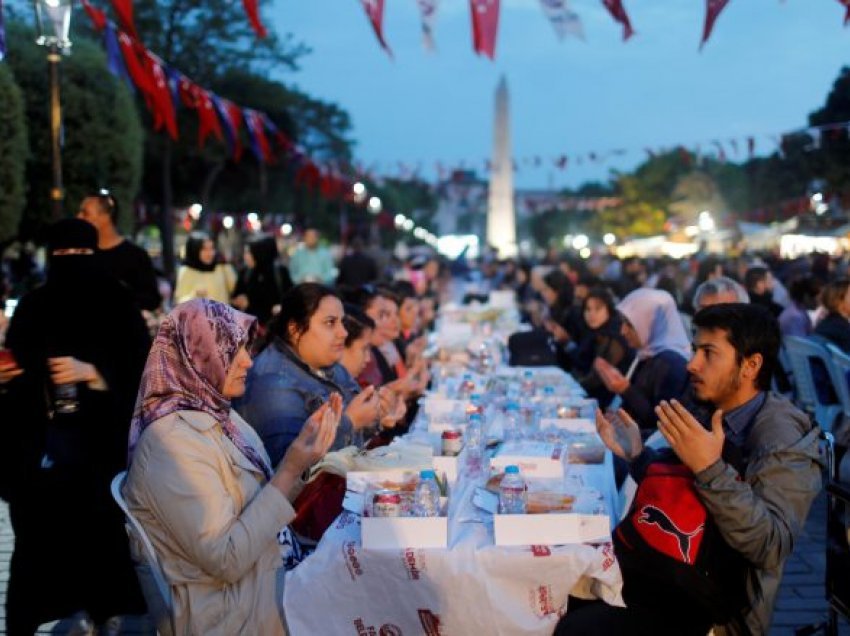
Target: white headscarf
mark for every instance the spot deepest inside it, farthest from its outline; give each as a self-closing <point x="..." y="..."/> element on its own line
<point x="653" y="314"/>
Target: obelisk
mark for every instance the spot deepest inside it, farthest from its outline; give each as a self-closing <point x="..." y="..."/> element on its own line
<point x="501" y="218"/>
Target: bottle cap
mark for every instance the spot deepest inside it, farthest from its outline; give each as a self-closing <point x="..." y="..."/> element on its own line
<point x="474" y="417"/>
<point x="511" y="470"/>
<point x="475" y="397"/>
<point x="512" y="406"/>
<point x="427" y="474"/>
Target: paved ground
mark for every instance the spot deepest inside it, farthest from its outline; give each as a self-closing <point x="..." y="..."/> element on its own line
<point x="801" y="598"/>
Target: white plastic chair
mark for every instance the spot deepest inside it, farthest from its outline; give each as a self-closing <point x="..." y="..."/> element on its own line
<point x="152" y="580"/>
<point x="800" y="352"/>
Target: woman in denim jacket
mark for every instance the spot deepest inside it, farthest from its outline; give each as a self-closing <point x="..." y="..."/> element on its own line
<point x="298" y="371"/>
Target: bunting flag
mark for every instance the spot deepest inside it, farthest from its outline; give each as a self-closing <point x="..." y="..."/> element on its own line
<point x="485" y="26"/>
<point x="846" y="3"/>
<point x="375" y="12"/>
<point x="564" y="20"/>
<point x="751" y="146"/>
<point x="257" y="136"/>
<point x="114" y="60"/>
<point x="618" y="12"/>
<point x="2" y="34"/>
<point x="428" y="13"/>
<point x="134" y="67"/>
<point x="721" y="153"/>
<point x="97" y="17"/>
<point x="231" y="116"/>
<point x="162" y="102"/>
<point x="124" y="11"/>
<point x="252" y="10"/>
<point x="712" y="10"/>
<point x="278" y="135"/>
<point x="208" y="122"/>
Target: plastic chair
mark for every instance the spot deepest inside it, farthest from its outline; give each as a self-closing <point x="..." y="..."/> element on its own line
<point x="152" y="580"/>
<point x="800" y="352"/>
<point x="837" y="543"/>
<point x="841" y="364"/>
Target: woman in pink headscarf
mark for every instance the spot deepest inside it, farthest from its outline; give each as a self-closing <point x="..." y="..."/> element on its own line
<point x="201" y="483"/>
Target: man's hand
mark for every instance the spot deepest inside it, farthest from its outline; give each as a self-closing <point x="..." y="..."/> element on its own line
<point x="620" y="434"/>
<point x="611" y="377"/>
<point x="696" y="447"/>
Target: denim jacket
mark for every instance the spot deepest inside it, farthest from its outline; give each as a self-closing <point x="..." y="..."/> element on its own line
<point x="282" y="392"/>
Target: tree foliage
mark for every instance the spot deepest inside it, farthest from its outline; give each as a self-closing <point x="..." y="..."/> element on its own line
<point x="14" y="151"/>
<point x="102" y="133"/>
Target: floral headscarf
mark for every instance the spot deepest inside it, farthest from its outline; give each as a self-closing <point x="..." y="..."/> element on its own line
<point x="186" y="368"/>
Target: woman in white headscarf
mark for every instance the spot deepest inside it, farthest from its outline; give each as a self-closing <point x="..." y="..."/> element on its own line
<point x="652" y="325"/>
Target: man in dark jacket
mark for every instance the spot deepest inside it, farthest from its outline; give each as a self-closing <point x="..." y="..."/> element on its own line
<point x="759" y="508"/>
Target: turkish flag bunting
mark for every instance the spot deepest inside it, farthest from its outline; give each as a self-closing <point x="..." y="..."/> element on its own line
<point x="618" y="12"/>
<point x="256" y="131"/>
<point x="485" y="26"/>
<point x="124" y="10"/>
<point x="207" y="119"/>
<point x="232" y="118"/>
<point x="162" y="105"/>
<point x="278" y="135"/>
<point x="252" y="10"/>
<point x="97" y="17"/>
<point x="134" y="67"/>
<point x="846" y="3"/>
<point x="375" y="12"/>
<point x="712" y="10"/>
<point x="751" y="146"/>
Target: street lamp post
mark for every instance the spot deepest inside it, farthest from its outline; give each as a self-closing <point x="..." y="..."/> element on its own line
<point x="53" y="19"/>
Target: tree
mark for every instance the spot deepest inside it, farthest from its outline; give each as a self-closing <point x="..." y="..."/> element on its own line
<point x="102" y="133"/>
<point x="835" y="167"/>
<point x="14" y="151"/>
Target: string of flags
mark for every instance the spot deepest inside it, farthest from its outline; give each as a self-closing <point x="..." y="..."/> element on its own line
<point x="484" y="17"/>
<point x="721" y="150"/>
<point x="165" y="89"/>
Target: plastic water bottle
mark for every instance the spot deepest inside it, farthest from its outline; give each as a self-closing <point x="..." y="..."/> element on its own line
<point x="427" y="497"/>
<point x="528" y="385"/>
<point x="467" y="386"/>
<point x="511" y="423"/>
<point x="512" y="496"/>
<point x="474" y="443"/>
<point x="476" y="404"/>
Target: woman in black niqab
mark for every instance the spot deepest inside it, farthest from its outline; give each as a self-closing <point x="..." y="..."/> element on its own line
<point x="71" y="552"/>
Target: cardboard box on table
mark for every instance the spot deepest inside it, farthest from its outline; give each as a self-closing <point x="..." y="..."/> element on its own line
<point x="551" y="529"/>
<point x="388" y="533"/>
<point x="534" y="459"/>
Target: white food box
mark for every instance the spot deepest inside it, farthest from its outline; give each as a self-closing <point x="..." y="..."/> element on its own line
<point x="551" y="529"/>
<point x="391" y="533"/>
<point x="503" y="299"/>
<point x="534" y="459"/>
<point x="571" y="424"/>
<point x="387" y="533"/>
<point x="446" y="465"/>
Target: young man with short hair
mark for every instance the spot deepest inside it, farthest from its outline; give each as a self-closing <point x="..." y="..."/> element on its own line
<point x="756" y="470"/>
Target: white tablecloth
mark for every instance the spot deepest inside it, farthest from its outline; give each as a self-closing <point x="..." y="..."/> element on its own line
<point x="474" y="587"/>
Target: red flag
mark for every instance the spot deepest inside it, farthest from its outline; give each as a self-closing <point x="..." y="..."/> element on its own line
<point x="137" y="72"/>
<point x="252" y="9"/>
<point x="97" y="17"/>
<point x="618" y="12"/>
<point x="162" y="105"/>
<point x="712" y="10"/>
<point x="375" y="12"/>
<point x="846" y="3"/>
<point x="485" y="26"/>
<point x="124" y="10"/>
<point x="207" y="119"/>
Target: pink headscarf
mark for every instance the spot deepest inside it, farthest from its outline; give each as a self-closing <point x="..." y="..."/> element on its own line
<point x="186" y="368"/>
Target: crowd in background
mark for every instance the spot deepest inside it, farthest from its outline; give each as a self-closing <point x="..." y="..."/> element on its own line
<point x="275" y="364"/>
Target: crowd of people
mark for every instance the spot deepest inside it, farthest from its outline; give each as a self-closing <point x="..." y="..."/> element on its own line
<point x="253" y="376"/>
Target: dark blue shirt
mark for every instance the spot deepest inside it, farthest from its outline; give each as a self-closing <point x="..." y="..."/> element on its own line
<point x="738" y="422"/>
